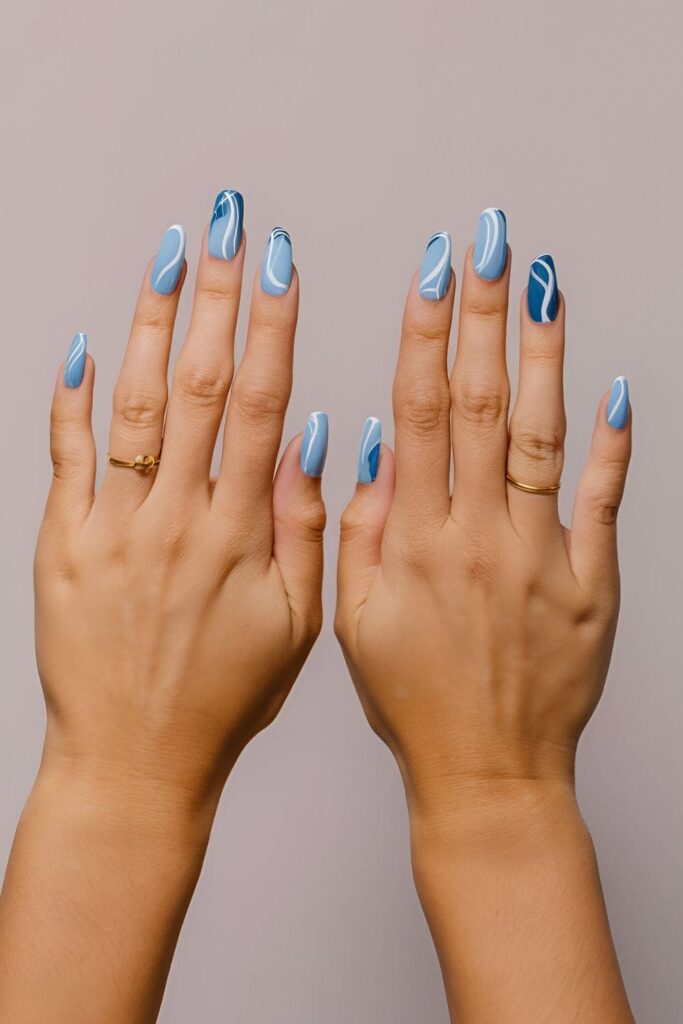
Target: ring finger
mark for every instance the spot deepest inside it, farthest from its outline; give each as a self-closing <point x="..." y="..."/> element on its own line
<point x="537" y="426"/>
<point x="141" y="391"/>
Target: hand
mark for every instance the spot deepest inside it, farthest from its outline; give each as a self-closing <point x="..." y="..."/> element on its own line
<point x="478" y="632"/>
<point x="173" y="611"/>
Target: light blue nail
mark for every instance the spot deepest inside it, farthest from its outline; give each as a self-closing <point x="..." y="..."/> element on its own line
<point x="435" y="274"/>
<point x="618" y="405"/>
<point x="276" y="270"/>
<point x="75" y="361"/>
<point x="368" y="456"/>
<point x="314" y="444"/>
<point x="542" y="292"/>
<point x="168" y="265"/>
<point x="225" y="231"/>
<point x="490" y="247"/>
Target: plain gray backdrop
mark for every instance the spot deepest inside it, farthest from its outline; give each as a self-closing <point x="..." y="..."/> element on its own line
<point x="361" y="127"/>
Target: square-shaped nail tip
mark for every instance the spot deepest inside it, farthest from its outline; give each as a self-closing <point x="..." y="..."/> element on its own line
<point x="435" y="273"/>
<point x="369" y="452"/>
<point x="542" y="291"/>
<point x="618" y="405"/>
<point x="490" y="246"/>
<point x="225" y="230"/>
<point x="314" y="444"/>
<point x="276" y="269"/>
<point x="74" y="366"/>
<point x="168" y="265"/>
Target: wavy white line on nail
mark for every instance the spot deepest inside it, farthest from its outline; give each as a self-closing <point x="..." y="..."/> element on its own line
<point x="621" y="381"/>
<point x="438" y="270"/>
<point x="274" y="235"/>
<point x="77" y="350"/>
<point x="178" y="256"/>
<point x="548" y="286"/>
<point x="231" y="226"/>
<point x="492" y="220"/>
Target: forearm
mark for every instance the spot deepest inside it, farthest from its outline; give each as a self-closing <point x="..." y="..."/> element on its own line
<point x="508" y="879"/>
<point x="97" y="886"/>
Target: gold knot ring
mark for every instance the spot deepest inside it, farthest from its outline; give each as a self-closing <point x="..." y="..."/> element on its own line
<point x="141" y="463"/>
<point x="529" y="489"/>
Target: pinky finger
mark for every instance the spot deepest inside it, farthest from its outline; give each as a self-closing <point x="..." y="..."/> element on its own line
<point x="598" y="497"/>
<point x="72" y="445"/>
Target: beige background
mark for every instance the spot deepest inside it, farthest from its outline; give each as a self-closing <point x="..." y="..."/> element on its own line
<point x="361" y="127"/>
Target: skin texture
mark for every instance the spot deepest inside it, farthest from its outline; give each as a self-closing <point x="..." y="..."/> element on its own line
<point x="173" y="614"/>
<point x="478" y="632"/>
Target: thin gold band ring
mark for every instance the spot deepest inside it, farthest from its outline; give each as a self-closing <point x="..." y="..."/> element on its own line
<point x="528" y="489"/>
<point x="141" y="463"/>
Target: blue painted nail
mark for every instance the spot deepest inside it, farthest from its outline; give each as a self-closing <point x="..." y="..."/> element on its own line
<point x="168" y="265"/>
<point x="490" y="246"/>
<point x="314" y="444"/>
<point x="75" y="361"/>
<point x="542" y="293"/>
<point x="618" y="405"/>
<point x="435" y="274"/>
<point x="368" y="456"/>
<point x="225" y="231"/>
<point x="276" y="270"/>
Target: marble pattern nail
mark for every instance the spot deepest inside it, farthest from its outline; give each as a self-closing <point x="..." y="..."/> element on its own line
<point x="168" y="265"/>
<point x="368" y="455"/>
<point x="618" y="404"/>
<point x="276" y="269"/>
<point x="490" y="246"/>
<point x="74" y="366"/>
<point x="225" y="230"/>
<point x="435" y="274"/>
<point x="314" y="444"/>
<point x="542" y="293"/>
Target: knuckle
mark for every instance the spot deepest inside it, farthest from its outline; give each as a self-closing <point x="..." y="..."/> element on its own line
<point x="423" y="330"/>
<point x="202" y="385"/>
<point x="484" y="309"/>
<point x="603" y="508"/>
<point x="258" y="401"/>
<point x="421" y="409"/>
<point x="352" y="523"/>
<point x="541" y="444"/>
<point x="151" y="319"/>
<point x="138" y="408"/>
<point x="481" y="404"/>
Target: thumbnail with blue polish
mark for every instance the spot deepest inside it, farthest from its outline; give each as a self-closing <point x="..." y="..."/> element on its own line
<point x="225" y="230"/>
<point x="435" y="274"/>
<point x="368" y="455"/>
<point x="490" y="246"/>
<point x="168" y="265"/>
<point x="75" y="361"/>
<point x="542" y="293"/>
<point x="276" y="269"/>
<point x="618" y="404"/>
<point x="314" y="444"/>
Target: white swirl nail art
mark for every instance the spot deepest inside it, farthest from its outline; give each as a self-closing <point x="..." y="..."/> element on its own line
<point x="175" y="259"/>
<point x="616" y="413"/>
<point x="490" y="252"/>
<point x="436" y="271"/>
<point x="548" y="287"/>
<point x="277" y="261"/>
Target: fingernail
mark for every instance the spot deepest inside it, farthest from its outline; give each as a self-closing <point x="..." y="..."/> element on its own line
<point x="168" y="265"/>
<point x="368" y="456"/>
<point x="276" y="269"/>
<point x="618" y="405"/>
<point x="75" y="361"/>
<point x="314" y="444"/>
<point x="435" y="273"/>
<point x="225" y="230"/>
<point x="490" y="246"/>
<point x="542" y="293"/>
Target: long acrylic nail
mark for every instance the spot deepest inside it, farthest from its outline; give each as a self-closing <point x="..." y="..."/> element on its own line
<point x="490" y="246"/>
<point x="618" y="405"/>
<point x="225" y="230"/>
<point x="75" y="361"/>
<point x="314" y="444"/>
<point x="368" y="455"/>
<point x="542" y="293"/>
<point x="168" y="265"/>
<point x="435" y="274"/>
<point x="276" y="269"/>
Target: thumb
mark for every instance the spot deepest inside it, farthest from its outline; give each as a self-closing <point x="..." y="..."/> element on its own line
<point x="362" y="527"/>
<point x="299" y="522"/>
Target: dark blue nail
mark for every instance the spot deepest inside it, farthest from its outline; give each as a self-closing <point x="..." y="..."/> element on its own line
<point x="542" y="294"/>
